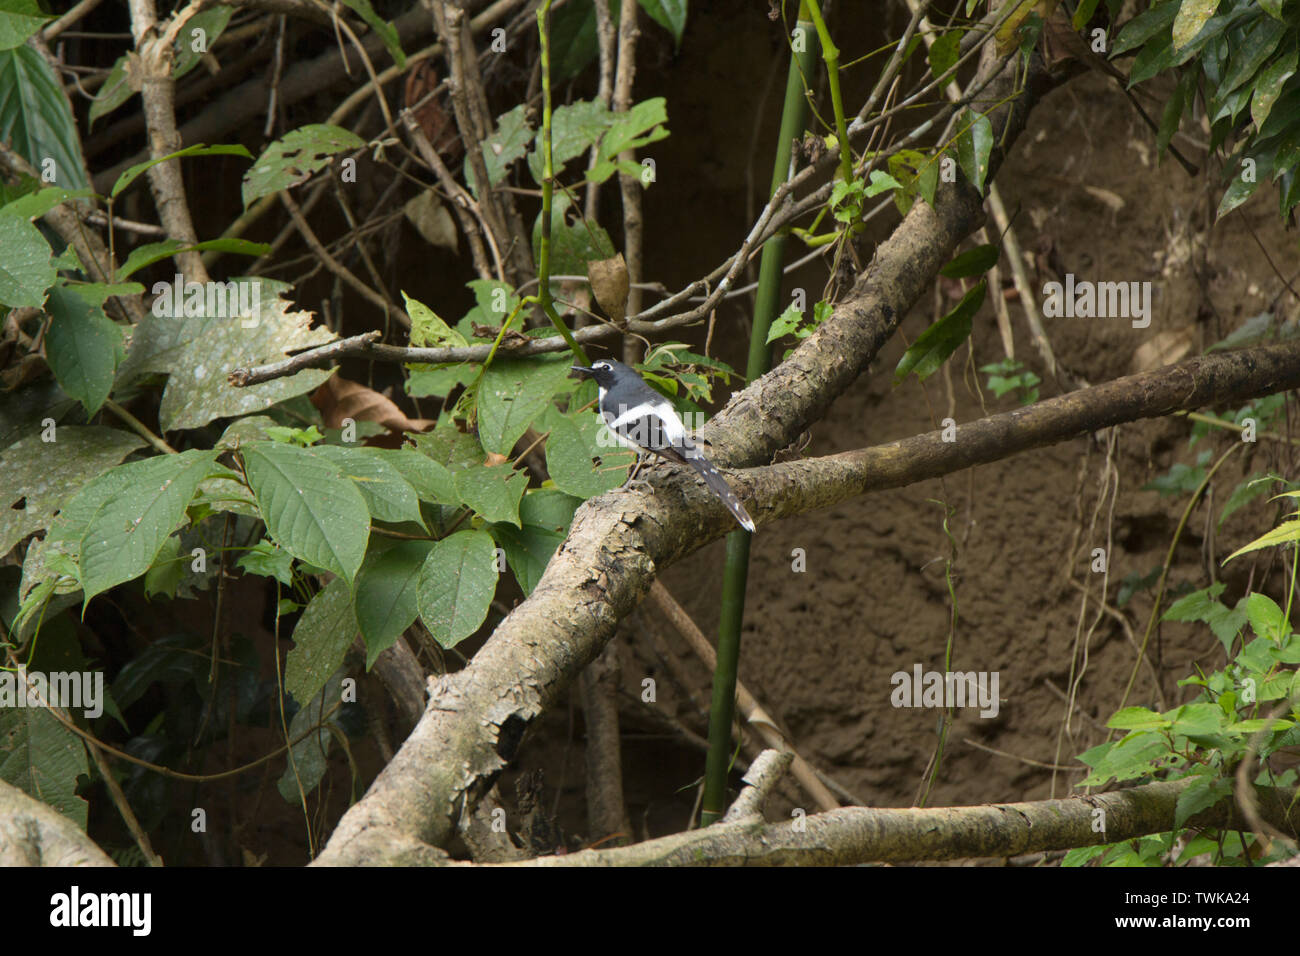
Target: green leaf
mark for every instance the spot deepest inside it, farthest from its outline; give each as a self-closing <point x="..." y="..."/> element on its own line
<point x="1245" y="492"/>
<point x="974" y="146"/>
<point x="940" y="340"/>
<point x="389" y="496"/>
<point x="572" y="246"/>
<point x="152" y="252"/>
<point x="198" y="149"/>
<point x="147" y="502"/>
<point x="492" y="492"/>
<point x="35" y="119"/>
<point x="431" y="481"/>
<point x="387" y="589"/>
<point x="428" y="330"/>
<point x="295" y="157"/>
<point x="546" y="516"/>
<point x="577" y="463"/>
<point x="506" y="144"/>
<point x="25" y="268"/>
<point x="199" y="351"/>
<point x="575" y="127"/>
<point x="1082" y="15"/>
<point x="880" y="182"/>
<point x="38" y="203"/>
<point x="1266" y="618"/>
<point x="83" y="347"/>
<point x="944" y="53"/>
<point x="1197" y="606"/>
<point x="1137" y="718"/>
<point x="456" y="586"/>
<point x="199" y="36"/>
<point x="512" y="394"/>
<point x="1202" y="793"/>
<point x="972" y="262"/>
<point x="310" y="509"/>
<point x="1285" y="533"/>
<point x="36" y="476"/>
<point x="310" y="756"/>
<point x="321" y="639"/>
<point x="19" y="19"/>
<point x="784" y="324"/>
<point x="573" y="39"/>
<point x="115" y="91"/>
<point x="1192" y="15"/>
<point x="1269" y="86"/>
<point x="1258" y="43"/>
<point x="386" y="31"/>
<point x="1144" y="26"/>
<point x="638" y="127"/>
<point x="669" y="14"/>
<point x="42" y="758"/>
<point x="265" y="559"/>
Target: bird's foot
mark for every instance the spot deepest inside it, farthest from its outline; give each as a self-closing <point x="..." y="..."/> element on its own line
<point x="638" y="484"/>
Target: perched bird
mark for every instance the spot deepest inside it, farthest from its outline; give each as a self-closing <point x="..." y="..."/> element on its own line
<point x="642" y="419"/>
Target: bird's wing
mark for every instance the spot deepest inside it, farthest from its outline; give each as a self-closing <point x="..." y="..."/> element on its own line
<point x="652" y="425"/>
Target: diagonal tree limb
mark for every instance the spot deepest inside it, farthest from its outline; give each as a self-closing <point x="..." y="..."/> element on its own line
<point x="477" y="717"/>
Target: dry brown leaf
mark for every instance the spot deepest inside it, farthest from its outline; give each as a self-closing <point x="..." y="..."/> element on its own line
<point x="609" y="283"/>
<point x="339" y="398"/>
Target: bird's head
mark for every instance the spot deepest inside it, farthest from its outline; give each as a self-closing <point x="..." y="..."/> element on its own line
<point x="604" y="371"/>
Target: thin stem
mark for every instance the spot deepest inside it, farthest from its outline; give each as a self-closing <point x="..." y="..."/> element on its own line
<point x="548" y="186"/>
<point x="831" y="54"/>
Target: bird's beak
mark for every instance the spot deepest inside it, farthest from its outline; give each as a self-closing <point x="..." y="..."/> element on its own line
<point x="581" y="369"/>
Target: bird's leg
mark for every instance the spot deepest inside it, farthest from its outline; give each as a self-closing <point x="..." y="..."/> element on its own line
<point x="632" y="479"/>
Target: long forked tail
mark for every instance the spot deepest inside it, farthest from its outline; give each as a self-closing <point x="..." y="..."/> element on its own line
<point x="718" y="485"/>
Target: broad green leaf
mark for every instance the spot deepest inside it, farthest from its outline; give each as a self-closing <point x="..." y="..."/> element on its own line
<point x="1202" y="793"/>
<point x="447" y="446"/>
<point x="1245" y="492"/>
<point x="573" y="39"/>
<point x="944" y="53"/>
<point x="546" y="515"/>
<point x="431" y="481"/>
<point x="83" y="347"/>
<point x="574" y="128"/>
<point x="321" y="638"/>
<point x="35" y="119"/>
<point x="456" y="586"/>
<point x="387" y="588"/>
<point x="784" y="324"/>
<point x="1266" y="618"/>
<point x="639" y="126"/>
<point x="389" y="496"/>
<point x="25" y="267"/>
<point x="198" y="149"/>
<point x="1144" y="26"/>
<point x="386" y="31"/>
<point x="577" y="464"/>
<point x="493" y="492"/>
<point x="974" y="146"/>
<point x="669" y="14"/>
<point x="933" y="346"/>
<point x="1192" y="15"/>
<point x="310" y="509"/>
<point x="37" y="204"/>
<point x="37" y="476"/>
<point x="198" y="352"/>
<point x="128" y="529"/>
<point x="1197" y="606"/>
<point x="428" y="330"/>
<point x="19" y="19"/>
<point x="306" y="767"/>
<point x="507" y="143"/>
<point x="294" y="157"/>
<point x="880" y="182"/>
<point x="1259" y="42"/>
<point x="972" y="262"/>
<point x="41" y="757"/>
<point x="513" y="393"/>
<point x="572" y="245"/>
<point x="265" y="559"/>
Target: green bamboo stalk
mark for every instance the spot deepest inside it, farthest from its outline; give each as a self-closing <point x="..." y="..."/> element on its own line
<point x="544" y="258"/>
<point x="794" y="117"/>
<point x="831" y="54"/>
